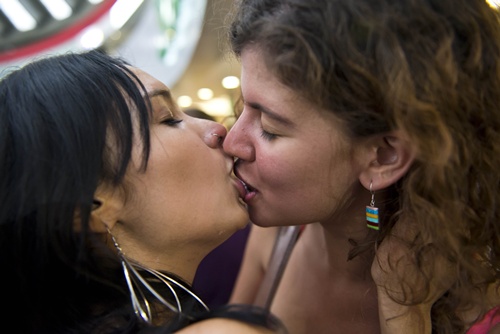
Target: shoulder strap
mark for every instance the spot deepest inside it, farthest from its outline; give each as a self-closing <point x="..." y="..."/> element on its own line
<point x="285" y="241"/>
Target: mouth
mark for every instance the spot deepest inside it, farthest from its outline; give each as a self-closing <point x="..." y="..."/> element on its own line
<point x="248" y="188"/>
<point x="242" y="189"/>
<point x="249" y="191"/>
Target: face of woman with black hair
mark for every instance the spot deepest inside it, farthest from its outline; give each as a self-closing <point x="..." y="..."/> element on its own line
<point x="187" y="201"/>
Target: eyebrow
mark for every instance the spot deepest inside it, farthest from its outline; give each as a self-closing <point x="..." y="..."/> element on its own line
<point x="160" y="92"/>
<point x="271" y="114"/>
<point x="165" y="93"/>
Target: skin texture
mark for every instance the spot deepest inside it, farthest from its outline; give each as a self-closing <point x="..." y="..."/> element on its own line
<point x="168" y="221"/>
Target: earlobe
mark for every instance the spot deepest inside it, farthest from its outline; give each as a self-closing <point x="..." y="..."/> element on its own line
<point x="392" y="158"/>
<point x="98" y="225"/>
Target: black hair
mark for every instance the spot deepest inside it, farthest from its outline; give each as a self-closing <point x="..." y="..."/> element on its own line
<point x="57" y="116"/>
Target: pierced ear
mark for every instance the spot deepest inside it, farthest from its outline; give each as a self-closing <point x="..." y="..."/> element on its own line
<point x="106" y="208"/>
<point x="391" y="157"/>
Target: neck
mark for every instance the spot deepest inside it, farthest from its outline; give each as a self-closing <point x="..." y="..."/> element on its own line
<point x="181" y="266"/>
<point x="331" y="251"/>
<point x="180" y="261"/>
<point x="332" y="241"/>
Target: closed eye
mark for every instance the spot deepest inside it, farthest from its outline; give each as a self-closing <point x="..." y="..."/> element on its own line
<point x="267" y="135"/>
<point x="171" y="121"/>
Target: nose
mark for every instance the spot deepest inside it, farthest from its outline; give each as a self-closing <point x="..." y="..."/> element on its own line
<point x="238" y="141"/>
<point x="214" y="134"/>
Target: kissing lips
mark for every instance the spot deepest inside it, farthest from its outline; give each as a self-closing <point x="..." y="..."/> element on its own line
<point x="250" y="192"/>
<point x="242" y="190"/>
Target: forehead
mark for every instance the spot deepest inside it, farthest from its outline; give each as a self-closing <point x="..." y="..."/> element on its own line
<point x="260" y="85"/>
<point x="257" y="80"/>
<point x="153" y="86"/>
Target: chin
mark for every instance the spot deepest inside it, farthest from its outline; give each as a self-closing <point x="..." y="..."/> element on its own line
<point x="243" y="221"/>
<point x="239" y="222"/>
<point x="266" y="221"/>
<point x="262" y="224"/>
<point x="259" y="220"/>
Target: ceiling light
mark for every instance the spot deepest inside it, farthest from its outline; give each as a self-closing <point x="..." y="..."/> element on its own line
<point x="218" y="107"/>
<point x="122" y="11"/>
<point x="92" y="37"/>
<point x="205" y="93"/>
<point x="493" y="3"/>
<point x="18" y="15"/>
<point x="230" y="82"/>
<point x="184" y="101"/>
<point x="59" y="9"/>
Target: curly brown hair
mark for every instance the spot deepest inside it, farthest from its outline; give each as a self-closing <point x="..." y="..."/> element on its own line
<point x="430" y="68"/>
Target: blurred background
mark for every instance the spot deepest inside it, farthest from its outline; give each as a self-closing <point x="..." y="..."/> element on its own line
<point x="180" y="42"/>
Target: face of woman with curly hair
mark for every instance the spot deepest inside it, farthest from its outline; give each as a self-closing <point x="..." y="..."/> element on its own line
<point x="294" y="158"/>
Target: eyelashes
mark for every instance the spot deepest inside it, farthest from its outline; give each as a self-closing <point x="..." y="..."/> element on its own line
<point x="267" y="135"/>
<point x="171" y="121"/>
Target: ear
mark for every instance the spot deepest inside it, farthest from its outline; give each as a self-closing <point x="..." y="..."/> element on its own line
<point x="106" y="210"/>
<point x="389" y="158"/>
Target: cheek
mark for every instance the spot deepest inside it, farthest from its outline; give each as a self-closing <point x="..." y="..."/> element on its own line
<point x="186" y="181"/>
<point x="312" y="174"/>
<point x="294" y="163"/>
<point x="282" y="170"/>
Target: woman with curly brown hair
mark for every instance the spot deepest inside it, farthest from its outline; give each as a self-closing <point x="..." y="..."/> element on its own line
<point x="376" y="125"/>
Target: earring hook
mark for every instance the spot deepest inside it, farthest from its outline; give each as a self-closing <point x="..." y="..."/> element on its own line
<point x="372" y="202"/>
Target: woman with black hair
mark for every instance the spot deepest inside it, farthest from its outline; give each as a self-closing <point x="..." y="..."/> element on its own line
<point x="111" y="197"/>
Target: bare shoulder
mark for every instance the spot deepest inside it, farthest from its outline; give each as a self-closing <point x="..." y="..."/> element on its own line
<point x="254" y="265"/>
<point x="222" y="326"/>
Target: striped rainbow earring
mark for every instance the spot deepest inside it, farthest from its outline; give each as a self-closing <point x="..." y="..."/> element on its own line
<point x="372" y="220"/>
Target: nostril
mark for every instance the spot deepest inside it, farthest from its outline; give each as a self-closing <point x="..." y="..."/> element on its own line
<point x="219" y="137"/>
